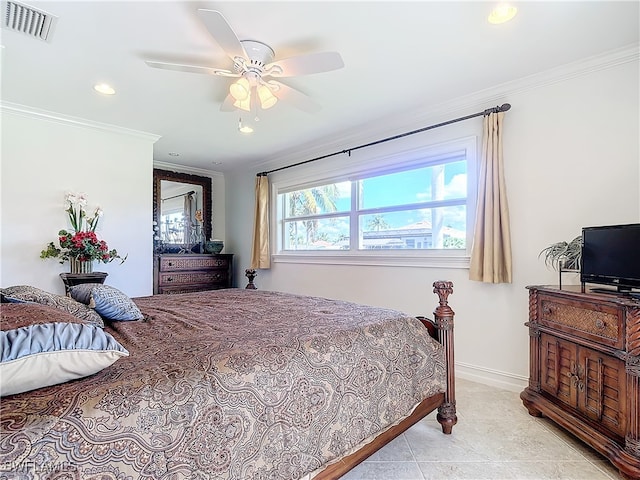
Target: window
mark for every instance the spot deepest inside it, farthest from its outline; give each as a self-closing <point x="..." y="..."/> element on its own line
<point x="420" y="206"/>
<point x="317" y="218"/>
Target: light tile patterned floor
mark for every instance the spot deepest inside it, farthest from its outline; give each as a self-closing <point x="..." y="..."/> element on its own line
<point x="495" y="438"/>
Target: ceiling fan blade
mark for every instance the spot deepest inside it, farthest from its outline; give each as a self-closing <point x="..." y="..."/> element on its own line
<point x="305" y="64"/>
<point x="294" y="97"/>
<point x="192" y="68"/>
<point x="222" y="33"/>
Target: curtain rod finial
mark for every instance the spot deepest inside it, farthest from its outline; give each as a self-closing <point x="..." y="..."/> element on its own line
<point x="502" y="108"/>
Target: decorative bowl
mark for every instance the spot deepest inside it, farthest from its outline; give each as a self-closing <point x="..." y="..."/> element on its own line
<point x="213" y="246"/>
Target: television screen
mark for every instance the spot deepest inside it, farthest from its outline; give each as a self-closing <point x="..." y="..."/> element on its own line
<point x="611" y="256"/>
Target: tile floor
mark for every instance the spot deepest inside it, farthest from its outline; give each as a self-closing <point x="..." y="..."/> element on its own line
<point x="495" y="438"/>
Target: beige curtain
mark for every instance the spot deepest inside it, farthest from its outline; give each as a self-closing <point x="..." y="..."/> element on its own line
<point x="491" y="250"/>
<point x="260" y="255"/>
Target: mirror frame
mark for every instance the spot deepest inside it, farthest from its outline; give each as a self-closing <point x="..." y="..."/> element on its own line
<point x="204" y="182"/>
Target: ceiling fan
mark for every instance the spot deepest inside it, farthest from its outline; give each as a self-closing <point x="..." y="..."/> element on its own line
<point x="256" y="70"/>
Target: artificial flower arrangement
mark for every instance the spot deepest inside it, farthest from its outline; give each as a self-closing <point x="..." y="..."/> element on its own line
<point x="82" y="243"/>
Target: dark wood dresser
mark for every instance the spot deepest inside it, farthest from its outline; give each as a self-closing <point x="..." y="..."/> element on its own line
<point x="192" y="272"/>
<point x="584" y="369"/>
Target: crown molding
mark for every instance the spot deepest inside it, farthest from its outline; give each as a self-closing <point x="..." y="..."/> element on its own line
<point x="174" y="167"/>
<point x="461" y="106"/>
<point x="32" y="112"/>
<point x="562" y="73"/>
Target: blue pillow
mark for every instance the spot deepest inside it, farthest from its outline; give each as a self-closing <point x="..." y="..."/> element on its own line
<point x="36" y="356"/>
<point x="109" y="302"/>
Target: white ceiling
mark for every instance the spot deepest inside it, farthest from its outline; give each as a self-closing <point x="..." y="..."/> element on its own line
<point x="400" y="57"/>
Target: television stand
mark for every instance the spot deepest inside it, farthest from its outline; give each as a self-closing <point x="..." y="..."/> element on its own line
<point x="584" y="370"/>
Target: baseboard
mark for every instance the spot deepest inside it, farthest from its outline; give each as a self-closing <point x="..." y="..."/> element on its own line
<point x="494" y="378"/>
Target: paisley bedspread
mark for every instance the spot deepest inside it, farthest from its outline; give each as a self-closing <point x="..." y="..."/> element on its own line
<point x="228" y="384"/>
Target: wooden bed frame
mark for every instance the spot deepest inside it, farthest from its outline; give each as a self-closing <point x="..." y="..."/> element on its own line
<point x="441" y="328"/>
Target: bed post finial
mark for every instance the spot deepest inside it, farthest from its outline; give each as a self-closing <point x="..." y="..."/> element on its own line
<point x="443" y="288"/>
<point x="443" y="315"/>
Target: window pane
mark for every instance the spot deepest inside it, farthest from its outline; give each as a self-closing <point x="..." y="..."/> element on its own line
<point x="413" y="229"/>
<point x="172" y="227"/>
<point x="439" y="182"/>
<point x="317" y="234"/>
<point x="335" y="197"/>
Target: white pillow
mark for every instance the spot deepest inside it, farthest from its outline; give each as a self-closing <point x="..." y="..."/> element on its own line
<point x="37" y="356"/>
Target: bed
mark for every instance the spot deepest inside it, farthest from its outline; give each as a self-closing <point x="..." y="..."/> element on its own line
<point x="238" y="384"/>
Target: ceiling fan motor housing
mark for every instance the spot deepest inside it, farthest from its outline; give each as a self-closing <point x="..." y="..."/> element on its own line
<point x="259" y="54"/>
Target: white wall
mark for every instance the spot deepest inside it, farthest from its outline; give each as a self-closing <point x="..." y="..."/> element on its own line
<point x="572" y="159"/>
<point x="46" y="155"/>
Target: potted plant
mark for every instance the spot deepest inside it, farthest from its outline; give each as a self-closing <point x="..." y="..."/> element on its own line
<point x="563" y="255"/>
<point x="81" y="246"/>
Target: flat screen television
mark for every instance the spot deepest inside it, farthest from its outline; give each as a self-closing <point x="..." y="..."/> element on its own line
<point x="611" y="256"/>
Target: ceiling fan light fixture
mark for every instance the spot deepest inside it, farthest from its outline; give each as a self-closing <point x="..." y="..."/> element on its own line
<point x="240" y="89"/>
<point x="267" y="99"/>
<point x="243" y="104"/>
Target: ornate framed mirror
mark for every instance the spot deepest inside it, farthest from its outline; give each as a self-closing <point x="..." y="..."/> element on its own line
<point x="181" y="210"/>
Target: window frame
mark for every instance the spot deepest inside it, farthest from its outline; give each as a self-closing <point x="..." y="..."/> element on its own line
<point x="365" y="167"/>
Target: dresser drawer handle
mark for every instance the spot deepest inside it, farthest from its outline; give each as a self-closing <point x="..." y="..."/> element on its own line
<point x="547" y="310"/>
<point x="169" y="279"/>
<point x="600" y="323"/>
<point x="170" y="264"/>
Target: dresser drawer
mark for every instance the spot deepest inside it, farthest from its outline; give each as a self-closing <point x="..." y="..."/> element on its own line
<point x="183" y="289"/>
<point x="175" y="273"/>
<point x="592" y="321"/>
<point x="187" y="262"/>
<point x="209" y="277"/>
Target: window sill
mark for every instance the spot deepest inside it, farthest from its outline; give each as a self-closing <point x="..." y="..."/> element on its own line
<point x="404" y="259"/>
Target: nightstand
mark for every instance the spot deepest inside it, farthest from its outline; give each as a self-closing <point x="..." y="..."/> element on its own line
<point x="72" y="279"/>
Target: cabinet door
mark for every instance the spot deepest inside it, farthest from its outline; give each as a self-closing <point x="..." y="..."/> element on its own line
<point x="559" y="367"/>
<point x="603" y="385"/>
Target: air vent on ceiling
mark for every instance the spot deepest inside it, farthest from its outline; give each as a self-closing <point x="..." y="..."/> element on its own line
<point x="23" y="18"/>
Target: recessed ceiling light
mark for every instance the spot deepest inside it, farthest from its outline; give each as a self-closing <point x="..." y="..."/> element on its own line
<point x="173" y="154"/>
<point x="104" y="88"/>
<point x="216" y="163"/>
<point x="502" y="13"/>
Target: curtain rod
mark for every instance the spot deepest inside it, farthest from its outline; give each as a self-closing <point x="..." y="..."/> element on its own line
<point x="502" y="108"/>
<point x="181" y="195"/>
